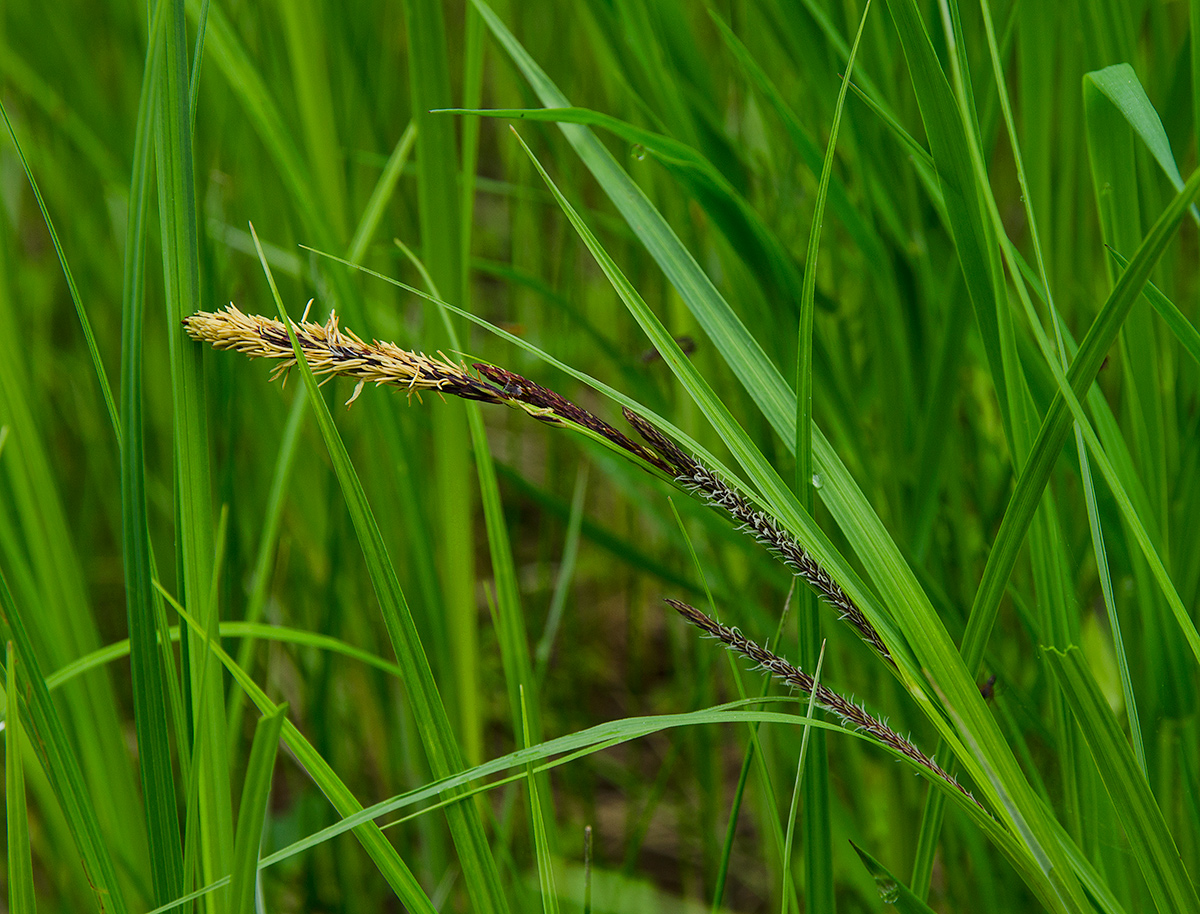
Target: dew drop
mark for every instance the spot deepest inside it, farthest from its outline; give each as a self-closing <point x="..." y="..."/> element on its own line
<point x="889" y="890"/>
<point x="817" y="483"/>
<point x="638" y="151"/>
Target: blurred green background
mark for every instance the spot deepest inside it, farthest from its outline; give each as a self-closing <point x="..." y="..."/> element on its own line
<point x="312" y="121"/>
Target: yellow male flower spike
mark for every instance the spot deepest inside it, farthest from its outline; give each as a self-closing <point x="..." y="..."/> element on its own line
<point x="330" y="350"/>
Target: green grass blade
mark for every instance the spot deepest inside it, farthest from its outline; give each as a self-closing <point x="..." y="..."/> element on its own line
<point x="434" y="726"/>
<point x="20" y="859"/>
<point x="146" y="661"/>
<point x="252" y="812"/>
<point x="268" y="543"/>
<point x="381" y="195"/>
<point x="1185" y="331"/>
<point x="372" y="838"/>
<point x="1057" y="423"/>
<point x="949" y="145"/>
<point x="541" y="844"/>
<point x="50" y="743"/>
<point x="818" y="851"/>
<point x="279" y="634"/>
<point x="181" y="274"/>
<point x="1151" y="844"/>
<point x="1120" y="85"/>
<point x="566" y="573"/>
<point x="308" y="42"/>
<point x="438" y="198"/>
<point x="84" y="322"/>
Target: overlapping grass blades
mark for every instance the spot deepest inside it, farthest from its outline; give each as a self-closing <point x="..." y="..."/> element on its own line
<point x="441" y="748"/>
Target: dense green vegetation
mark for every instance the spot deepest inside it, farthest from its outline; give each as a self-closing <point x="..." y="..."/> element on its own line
<point x="935" y="324"/>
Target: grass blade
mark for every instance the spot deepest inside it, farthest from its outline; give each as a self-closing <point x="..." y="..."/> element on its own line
<point x="181" y="274"/>
<point x="372" y="838"/>
<point x="434" y="726"/>
<point x="49" y="740"/>
<point x="20" y="859"/>
<point x="253" y="810"/>
<point x="1151" y="844"/>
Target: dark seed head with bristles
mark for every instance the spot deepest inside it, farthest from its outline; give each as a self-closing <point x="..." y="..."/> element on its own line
<point x="849" y="713"/>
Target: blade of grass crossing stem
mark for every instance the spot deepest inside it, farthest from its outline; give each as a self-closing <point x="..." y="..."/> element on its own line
<point x="1151" y="843"/>
<point x="20" y="859"/>
<point x="478" y="865"/>
<point x="541" y="844"/>
<point x="809" y="812"/>
<point x="53" y="749"/>
<point x="441" y="241"/>
<point x="370" y="835"/>
<point x="510" y="620"/>
<point x="252" y="812"/>
<point x="754" y="749"/>
<point x="181" y="272"/>
<point x="1057" y="423"/>
<point x="780" y="499"/>
<point x="1177" y="322"/>
<point x="84" y="323"/>
<point x="381" y="195"/>
<point x="818" y="849"/>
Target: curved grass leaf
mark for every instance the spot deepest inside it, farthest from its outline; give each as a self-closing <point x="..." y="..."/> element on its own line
<point x="1120" y="85"/>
